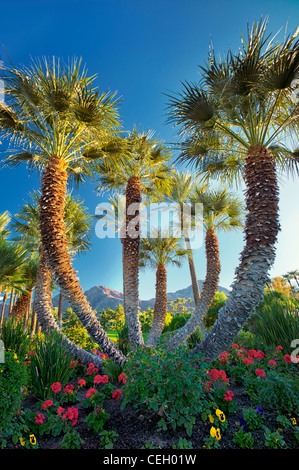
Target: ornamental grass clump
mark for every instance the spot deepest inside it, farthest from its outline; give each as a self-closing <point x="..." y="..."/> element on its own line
<point x="15" y="336"/>
<point x="50" y="363"/>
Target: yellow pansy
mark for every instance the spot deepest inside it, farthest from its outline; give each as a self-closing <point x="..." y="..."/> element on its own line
<point x="215" y="433"/>
<point x="211" y="419"/>
<point x="32" y="439"/>
<point x="294" y="422"/>
<point x="220" y="415"/>
<point x="15" y="356"/>
<point x="22" y="442"/>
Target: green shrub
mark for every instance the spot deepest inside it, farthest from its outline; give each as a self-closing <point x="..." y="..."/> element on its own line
<point x="253" y="419"/>
<point x="14" y="378"/>
<point x="123" y="339"/>
<point x="73" y="329"/>
<point x="243" y="439"/>
<point x="50" y="363"/>
<point x="177" y="321"/>
<point x="15" y="336"/>
<point x="170" y="383"/>
<point x="212" y="313"/>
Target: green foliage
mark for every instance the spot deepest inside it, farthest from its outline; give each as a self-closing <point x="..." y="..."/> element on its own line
<point x="112" y="320"/>
<point x="49" y="364"/>
<point x="15" y="336"/>
<point x="183" y="444"/>
<point x="13" y="379"/>
<point x="195" y="338"/>
<point x="243" y="439"/>
<point x="177" y="321"/>
<point x="246" y="339"/>
<point x="212" y="313"/>
<point x="170" y="383"/>
<point x="276" y="321"/>
<point x="108" y="438"/>
<point x="123" y="339"/>
<point x="112" y="369"/>
<point x="73" y="329"/>
<point x="96" y="419"/>
<point x="279" y="390"/>
<point x="273" y="440"/>
<point x="253" y="419"/>
<point x="71" y="440"/>
<point x="146" y="319"/>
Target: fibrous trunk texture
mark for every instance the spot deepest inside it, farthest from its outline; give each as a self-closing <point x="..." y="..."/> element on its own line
<point x="46" y="319"/>
<point x="160" y="308"/>
<point x="19" y="310"/>
<point x="209" y="290"/>
<point x="131" y="243"/>
<point x="3" y="307"/>
<point x="52" y="227"/>
<point x="194" y="281"/>
<point x="261" y="230"/>
<point x="60" y="308"/>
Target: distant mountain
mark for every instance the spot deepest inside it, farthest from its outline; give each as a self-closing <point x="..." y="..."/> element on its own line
<point x="101" y="297"/>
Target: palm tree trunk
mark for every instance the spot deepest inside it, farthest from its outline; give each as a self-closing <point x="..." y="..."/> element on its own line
<point x="131" y="245"/>
<point x="160" y="309"/>
<point x="3" y="308"/>
<point x="194" y="281"/>
<point x="46" y="319"/>
<point x="11" y="301"/>
<point x="261" y="230"/>
<point x="54" y="242"/>
<point x="20" y="309"/>
<point x="60" y="306"/>
<point x="209" y="290"/>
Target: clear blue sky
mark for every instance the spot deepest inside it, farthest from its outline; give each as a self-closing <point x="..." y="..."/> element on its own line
<point x="143" y="49"/>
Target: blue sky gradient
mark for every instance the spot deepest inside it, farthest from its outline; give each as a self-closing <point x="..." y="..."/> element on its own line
<point x="143" y="50"/>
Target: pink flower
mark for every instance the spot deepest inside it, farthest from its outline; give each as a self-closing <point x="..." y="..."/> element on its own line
<point x="252" y="353"/>
<point x="47" y="404"/>
<point x="101" y="379"/>
<point x="71" y="414"/>
<point x="279" y="348"/>
<point x="90" y="392"/>
<point x="104" y="356"/>
<point x="240" y="354"/>
<point x="81" y="382"/>
<point x="228" y="396"/>
<point x="287" y="358"/>
<point x="91" y="369"/>
<point x="248" y="360"/>
<point x="218" y="375"/>
<point x="39" y="418"/>
<point x="223" y="357"/>
<point x="56" y="387"/>
<point x="60" y="410"/>
<point x="260" y="372"/>
<point x="68" y="389"/>
<point x="260" y="355"/>
<point x="235" y="346"/>
<point x="272" y="363"/>
<point x="116" y="394"/>
<point x="122" y="378"/>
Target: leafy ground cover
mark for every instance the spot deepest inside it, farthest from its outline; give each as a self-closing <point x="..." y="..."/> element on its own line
<point x="160" y="400"/>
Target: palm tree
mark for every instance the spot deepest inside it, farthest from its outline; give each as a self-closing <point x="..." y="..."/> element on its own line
<point x="78" y="226"/>
<point x="181" y="191"/>
<point x="288" y="277"/>
<point x="157" y="252"/>
<point x="145" y="173"/>
<point x="294" y="275"/>
<point x="62" y="124"/>
<point x="235" y="120"/>
<point x="222" y="212"/>
<point x="4" y="222"/>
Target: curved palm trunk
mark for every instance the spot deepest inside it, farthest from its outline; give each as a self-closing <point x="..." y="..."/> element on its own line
<point x="194" y="281"/>
<point x="261" y="230"/>
<point x="46" y="319"/>
<point x="160" y="309"/>
<point x="60" y="307"/>
<point x="19" y="310"/>
<point x="3" y="308"/>
<point x="11" y="301"/>
<point x="52" y="227"/>
<point x="209" y="290"/>
<point x="131" y="243"/>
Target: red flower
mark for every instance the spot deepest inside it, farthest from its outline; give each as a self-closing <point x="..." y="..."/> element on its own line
<point x="248" y="360"/>
<point x="235" y="346"/>
<point x="223" y="357"/>
<point x="218" y="375"/>
<point x="104" y="356"/>
<point x="56" y="387"/>
<point x="228" y="396"/>
<point x="116" y="394"/>
<point x="272" y="363"/>
<point x="260" y="355"/>
<point x="71" y="414"/>
<point x="260" y="372"/>
<point x="287" y="358"/>
<point x="60" y="410"/>
<point x="81" y="382"/>
<point x="91" y="369"/>
<point x="279" y="348"/>
<point x="68" y="389"/>
<point x="47" y="404"/>
<point x="39" y="419"/>
<point x="240" y="354"/>
<point x="90" y="392"/>
<point x="122" y="378"/>
<point x="208" y="386"/>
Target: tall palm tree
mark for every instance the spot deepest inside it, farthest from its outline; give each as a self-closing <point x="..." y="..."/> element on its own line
<point x="236" y="119"/>
<point x="222" y="212"/>
<point x="295" y="275"/>
<point x="288" y="277"/>
<point x="61" y="124"/>
<point x="78" y="225"/>
<point x="181" y="191"/>
<point x="157" y="252"/>
<point x="145" y="173"/>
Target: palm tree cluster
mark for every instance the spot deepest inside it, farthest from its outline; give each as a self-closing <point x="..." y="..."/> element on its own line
<point x="232" y="126"/>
